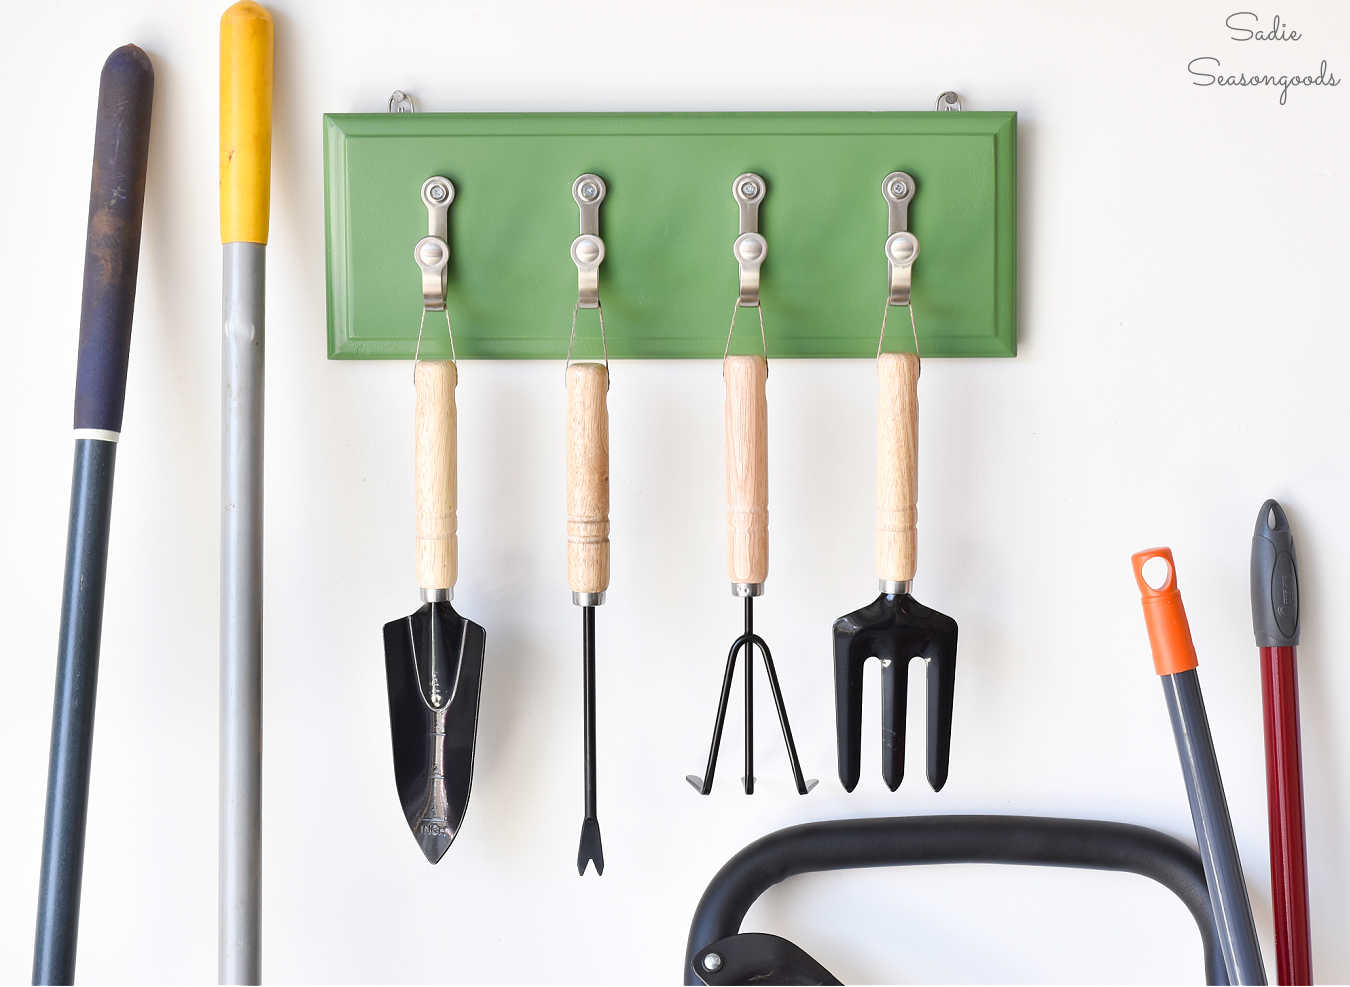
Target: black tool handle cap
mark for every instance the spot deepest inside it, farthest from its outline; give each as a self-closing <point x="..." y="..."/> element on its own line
<point x="112" y="246"/>
<point x="1274" y="579"/>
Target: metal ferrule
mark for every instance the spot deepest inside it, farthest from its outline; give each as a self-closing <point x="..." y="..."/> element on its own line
<point x="437" y="595"/>
<point x="742" y="590"/>
<point x="895" y="587"/>
<point x="588" y="599"/>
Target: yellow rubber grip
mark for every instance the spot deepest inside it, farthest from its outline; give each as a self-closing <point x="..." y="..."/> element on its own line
<point x="245" y="122"/>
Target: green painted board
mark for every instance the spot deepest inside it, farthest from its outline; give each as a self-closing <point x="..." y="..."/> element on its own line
<point x="668" y="281"/>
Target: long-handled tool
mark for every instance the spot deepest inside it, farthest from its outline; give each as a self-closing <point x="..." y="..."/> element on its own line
<point x="245" y="181"/>
<point x="112" y="251"/>
<point x="895" y="627"/>
<point x="1275" y="621"/>
<point x="433" y="658"/>
<point x="588" y="488"/>
<point x="747" y="475"/>
<point x="588" y="556"/>
<point x="1169" y="636"/>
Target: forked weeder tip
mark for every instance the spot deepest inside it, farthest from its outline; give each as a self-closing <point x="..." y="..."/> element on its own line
<point x="590" y="849"/>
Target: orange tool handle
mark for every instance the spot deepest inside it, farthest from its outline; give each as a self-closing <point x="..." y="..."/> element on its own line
<point x="1169" y="633"/>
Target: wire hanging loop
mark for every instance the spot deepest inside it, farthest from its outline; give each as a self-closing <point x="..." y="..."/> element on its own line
<point x="572" y="338"/>
<point x="914" y="329"/>
<point x="763" y="344"/>
<point x="449" y="330"/>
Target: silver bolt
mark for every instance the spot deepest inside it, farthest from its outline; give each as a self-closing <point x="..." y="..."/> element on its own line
<point x="749" y="189"/>
<point x="899" y="188"/>
<point x="437" y="192"/>
<point x="589" y="190"/>
<point x="712" y="962"/>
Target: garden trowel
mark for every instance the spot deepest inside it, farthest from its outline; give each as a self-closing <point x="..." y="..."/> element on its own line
<point x="434" y="657"/>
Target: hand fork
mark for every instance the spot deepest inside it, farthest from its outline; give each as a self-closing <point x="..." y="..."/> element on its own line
<point x="895" y="627"/>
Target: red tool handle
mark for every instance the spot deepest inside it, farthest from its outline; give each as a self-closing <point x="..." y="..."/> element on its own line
<point x="1284" y="793"/>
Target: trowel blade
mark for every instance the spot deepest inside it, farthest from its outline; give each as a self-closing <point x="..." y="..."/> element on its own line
<point x="433" y="660"/>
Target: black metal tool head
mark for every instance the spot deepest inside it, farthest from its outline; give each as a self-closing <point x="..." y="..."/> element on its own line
<point x="433" y="660"/>
<point x="894" y="628"/>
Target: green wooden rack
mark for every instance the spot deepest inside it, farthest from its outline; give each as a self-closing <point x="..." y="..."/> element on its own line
<point x="668" y="281"/>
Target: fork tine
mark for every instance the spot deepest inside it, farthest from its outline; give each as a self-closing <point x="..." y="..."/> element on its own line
<point x="894" y="682"/>
<point x="941" y="655"/>
<point x="847" y="708"/>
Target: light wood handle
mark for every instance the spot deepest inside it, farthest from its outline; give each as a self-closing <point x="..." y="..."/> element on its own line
<point x="587" y="478"/>
<point x="747" y="442"/>
<point x="434" y="465"/>
<point x="897" y="466"/>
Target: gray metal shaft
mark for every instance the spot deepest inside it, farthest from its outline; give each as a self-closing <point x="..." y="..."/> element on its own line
<point x="1213" y="829"/>
<point x="73" y="713"/>
<point x="241" y="570"/>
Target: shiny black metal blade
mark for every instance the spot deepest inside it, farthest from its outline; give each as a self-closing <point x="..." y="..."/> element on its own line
<point x="894" y="628"/>
<point x="434" y="666"/>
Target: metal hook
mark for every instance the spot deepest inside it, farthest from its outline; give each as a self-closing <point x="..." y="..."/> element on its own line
<point x="432" y="255"/>
<point x="950" y="100"/>
<point x="748" y="250"/>
<point x="588" y="251"/>
<point x="901" y="249"/>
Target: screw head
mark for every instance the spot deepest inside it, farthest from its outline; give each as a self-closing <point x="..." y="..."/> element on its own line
<point x="431" y="253"/>
<point x="902" y="248"/>
<point x="589" y="191"/>
<point x="899" y="189"/>
<point x="749" y="189"/>
<point x="437" y="192"/>
<point x="588" y="250"/>
<point x="712" y="962"/>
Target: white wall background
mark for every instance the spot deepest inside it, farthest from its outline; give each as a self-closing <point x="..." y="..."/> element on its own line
<point x="1183" y="343"/>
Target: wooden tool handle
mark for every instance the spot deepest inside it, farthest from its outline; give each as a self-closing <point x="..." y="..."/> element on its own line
<point x="245" y="122"/>
<point x="747" y="428"/>
<point x="587" y="478"/>
<point x="897" y="466"/>
<point x="434" y="464"/>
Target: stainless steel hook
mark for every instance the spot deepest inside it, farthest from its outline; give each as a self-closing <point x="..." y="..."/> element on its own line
<point x="432" y="252"/>
<point x="902" y="247"/>
<point x="748" y="250"/>
<point x="432" y="255"/>
<point x="588" y="250"/>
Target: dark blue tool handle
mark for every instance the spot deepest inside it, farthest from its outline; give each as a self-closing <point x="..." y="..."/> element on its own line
<point x="116" y="198"/>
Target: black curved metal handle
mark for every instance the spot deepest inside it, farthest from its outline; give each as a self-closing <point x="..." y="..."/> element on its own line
<point x="112" y="248"/>
<point x="850" y="843"/>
